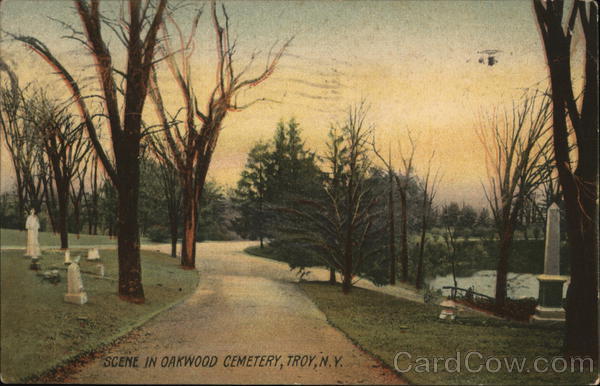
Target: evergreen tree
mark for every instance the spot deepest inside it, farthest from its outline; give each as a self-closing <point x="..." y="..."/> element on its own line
<point x="276" y="175"/>
<point x="249" y="197"/>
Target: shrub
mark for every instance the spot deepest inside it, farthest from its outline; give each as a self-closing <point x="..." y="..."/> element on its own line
<point x="158" y="233"/>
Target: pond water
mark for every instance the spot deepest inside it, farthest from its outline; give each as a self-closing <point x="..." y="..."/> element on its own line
<point x="520" y="285"/>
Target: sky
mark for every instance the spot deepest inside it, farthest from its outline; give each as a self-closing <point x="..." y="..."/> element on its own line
<point x="415" y="63"/>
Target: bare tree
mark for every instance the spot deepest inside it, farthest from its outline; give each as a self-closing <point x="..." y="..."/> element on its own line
<point x="357" y="223"/>
<point x="50" y="198"/>
<point x="77" y="193"/>
<point x="391" y="215"/>
<point x="64" y="146"/>
<point x="91" y="197"/>
<point x="138" y="33"/>
<point x="578" y="178"/>
<point x="428" y="189"/>
<point x="341" y="226"/>
<point x="192" y="150"/>
<point x="22" y="144"/>
<point x="171" y="187"/>
<point x="403" y="180"/>
<point x="515" y="145"/>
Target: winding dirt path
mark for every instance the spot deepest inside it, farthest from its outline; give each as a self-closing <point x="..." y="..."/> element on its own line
<point x="247" y="307"/>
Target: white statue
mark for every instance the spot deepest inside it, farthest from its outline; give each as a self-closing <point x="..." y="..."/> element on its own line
<point x="32" y="225"/>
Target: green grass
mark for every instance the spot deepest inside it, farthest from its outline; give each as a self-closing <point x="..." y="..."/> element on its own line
<point x="385" y="325"/>
<point x="15" y="237"/>
<point x="40" y="331"/>
<point x="269" y="252"/>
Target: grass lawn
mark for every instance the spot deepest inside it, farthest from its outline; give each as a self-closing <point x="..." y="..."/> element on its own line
<point x="15" y="237"/>
<point x="272" y="253"/>
<point x="39" y="330"/>
<point x="385" y="325"/>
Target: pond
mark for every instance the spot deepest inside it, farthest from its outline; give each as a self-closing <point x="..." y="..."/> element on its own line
<point x="520" y="285"/>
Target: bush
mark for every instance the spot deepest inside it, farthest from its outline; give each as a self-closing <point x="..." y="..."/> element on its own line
<point x="158" y="233"/>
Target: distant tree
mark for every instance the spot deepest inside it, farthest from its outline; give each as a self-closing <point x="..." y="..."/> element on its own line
<point x="107" y="208"/>
<point x="453" y="222"/>
<point x="91" y="196"/>
<point x="9" y="210"/>
<point x="12" y="127"/>
<point x="290" y="171"/>
<point x="77" y="186"/>
<point x="153" y="204"/>
<point x="390" y="211"/>
<point x="170" y="182"/>
<point x="515" y="145"/>
<point x="468" y="216"/>
<point x="212" y="224"/>
<point x="277" y="174"/>
<point x="405" y="184"/>
<point x="484" y="219"/>
<point x="249" y="196"/>
<point x="65" y="148"/>
<point x="428" y="192"/>
<point x="451" y="214"/>
<point x="24" y="148"/>
<point x="172" y="191"/>
<point x="349" y="194"/>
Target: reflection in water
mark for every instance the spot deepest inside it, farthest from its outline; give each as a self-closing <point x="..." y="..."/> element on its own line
<point x="520" y="285"/>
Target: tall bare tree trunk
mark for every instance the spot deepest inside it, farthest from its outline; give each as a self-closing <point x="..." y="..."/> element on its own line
<point x="62" y="191"/>
<point x="420" y="268"/>
<point x="502" y="268"/>
<point x="130" y="268"/>
<point x="579" y="187"/>
<point x="404" y="235"/>
<point x="332" y="275"/>
<point x="348" y="250"/>
<point x="49" y="194"/>
<point x="190" y="215"/>
<point x="173" y="237"/>
<point x="94" y="216"/>
<point x="391" y="230"/>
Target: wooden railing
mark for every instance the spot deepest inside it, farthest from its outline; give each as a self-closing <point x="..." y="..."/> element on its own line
<point x="467" y="291"/>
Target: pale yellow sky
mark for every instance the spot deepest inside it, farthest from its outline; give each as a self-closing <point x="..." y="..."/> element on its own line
<point x="415" y="62"/>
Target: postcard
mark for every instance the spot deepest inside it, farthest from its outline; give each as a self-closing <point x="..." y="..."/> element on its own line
<point x="299" y="192"/>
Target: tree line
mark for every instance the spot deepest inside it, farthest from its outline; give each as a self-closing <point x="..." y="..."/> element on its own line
<point x="344" y="211"/>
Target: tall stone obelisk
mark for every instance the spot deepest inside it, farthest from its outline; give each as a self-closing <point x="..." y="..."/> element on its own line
<point x="549" y="306"/>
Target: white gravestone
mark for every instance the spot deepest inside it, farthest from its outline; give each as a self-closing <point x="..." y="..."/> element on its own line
<point x="75" y="293"/>
<point x="93" y="254"/>
<point x="100" y="270"/>
<point x="32" y="224"/>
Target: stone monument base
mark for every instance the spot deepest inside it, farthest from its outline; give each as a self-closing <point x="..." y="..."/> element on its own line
<point x="80" y="298"/>
<point x="548" y="314"/>
<point x="550" y="299"/>
<point x="35" y="265"/>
